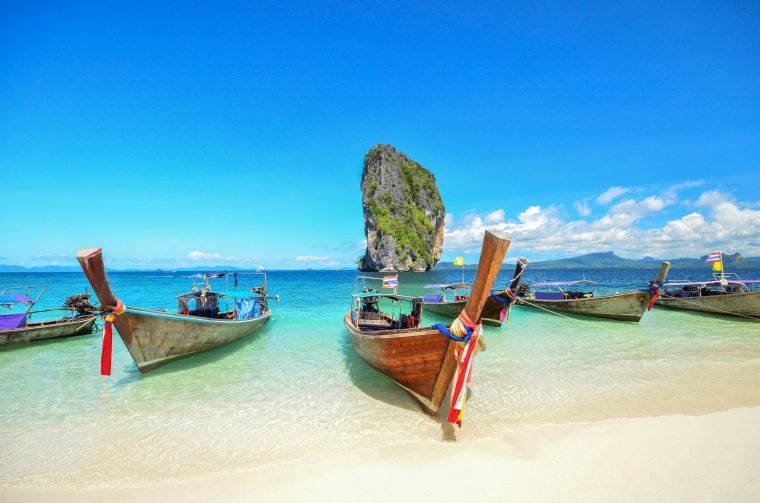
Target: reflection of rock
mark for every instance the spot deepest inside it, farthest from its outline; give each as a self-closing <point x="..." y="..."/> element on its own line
<point x="403" y="213"/>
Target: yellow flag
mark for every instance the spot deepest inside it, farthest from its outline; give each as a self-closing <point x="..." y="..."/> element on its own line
<point x="459" y="261"/>
<point x="717" y="266"/>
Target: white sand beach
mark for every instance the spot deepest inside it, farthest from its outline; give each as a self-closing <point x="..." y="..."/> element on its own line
<point x="714" y="457"/>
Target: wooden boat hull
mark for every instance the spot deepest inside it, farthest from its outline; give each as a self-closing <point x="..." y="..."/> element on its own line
<point x="491" y="310"/>
<point x="419" y="360"/>
<point x="629" y="306"/>
<point x="745" y="304"/>
<point x="158" y="338"/>
<point x="45" y="330"/>
<point x="448" y="310"/>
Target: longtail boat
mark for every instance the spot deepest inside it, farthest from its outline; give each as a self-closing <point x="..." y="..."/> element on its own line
<point x="450" y="302"/>
<point x="570" y="297"/>
<point x="423" y="360"/>
<point x="726" y="294"/>
<point x="205" y="318"/>
<point x="16" y="327"/>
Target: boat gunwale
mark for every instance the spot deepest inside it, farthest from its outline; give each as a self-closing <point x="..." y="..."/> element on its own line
<point x="193" y="319"/>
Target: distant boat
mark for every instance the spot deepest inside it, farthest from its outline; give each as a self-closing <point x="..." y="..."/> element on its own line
<point x="205" y="319"/>
<point x="16" y="329"/>
<point x="450" y="302"/>
<point x="422" y="360"/>
<point x="260" y="269"/>
<point x="726" y="295"/>
<point x="569" y="297"/>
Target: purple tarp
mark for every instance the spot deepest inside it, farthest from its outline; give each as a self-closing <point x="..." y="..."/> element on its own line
<point x="13" y="298"/>
<point x="9" y="321"/>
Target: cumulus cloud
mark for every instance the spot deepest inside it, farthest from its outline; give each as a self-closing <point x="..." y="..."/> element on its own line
<point x="611" y="194"/>
<point x="721" y="223"/>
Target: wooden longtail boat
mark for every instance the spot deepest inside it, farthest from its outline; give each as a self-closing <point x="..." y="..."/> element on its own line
<point x="628" y="306"/>
<point x="494" y="308"/>
<point x="419" y="359"/>
<point x="726" y="295"/>
<point x="16" y="329"/>
<point x="155" y="338"/>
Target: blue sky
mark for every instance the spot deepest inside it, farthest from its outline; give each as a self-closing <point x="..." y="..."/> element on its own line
<point x="173" y="134"/>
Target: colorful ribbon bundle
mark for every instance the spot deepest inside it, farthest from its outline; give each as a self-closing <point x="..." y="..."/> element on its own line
<point x="466" y="334"/>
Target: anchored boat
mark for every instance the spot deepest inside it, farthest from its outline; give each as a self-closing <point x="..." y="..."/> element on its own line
<point x="452" y="299"/>
<point x="726" y="294"/>
<point x="570" y="297"/>
<point x="16" y="327"/>
<point x="205" y="318"/>
<point x="423" y="360"/>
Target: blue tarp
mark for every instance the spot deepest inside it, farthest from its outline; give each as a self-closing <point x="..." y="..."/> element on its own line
<point x="247" y="308"/>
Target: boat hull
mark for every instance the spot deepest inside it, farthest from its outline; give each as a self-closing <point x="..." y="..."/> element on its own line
<point x="491" y="309"/>
<point x="45" y="330"/>
<point x="745" y="304"/>
<point x="629" y="306"/>
<point x="158" y="338"/>
<point x="445" y="309"/>
<point x="419" y="360"/>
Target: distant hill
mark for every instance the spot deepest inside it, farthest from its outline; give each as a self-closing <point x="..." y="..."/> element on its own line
<point x="732" y="262"/>
<point x="603" y="260"/>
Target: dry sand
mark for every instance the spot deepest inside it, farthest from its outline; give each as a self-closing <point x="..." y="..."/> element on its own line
<point x="713" y="458"/>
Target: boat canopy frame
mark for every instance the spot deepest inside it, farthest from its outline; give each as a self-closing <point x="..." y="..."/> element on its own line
<point x="27" y="290"/>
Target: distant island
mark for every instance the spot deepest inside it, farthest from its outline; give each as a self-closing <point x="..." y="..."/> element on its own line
<point x="608" y="260"/>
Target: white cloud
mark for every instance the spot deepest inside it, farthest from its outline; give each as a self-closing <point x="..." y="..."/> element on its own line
<point x="721" y="223"/>
<point x="582" y="208"/>
<point x="495" y="217"/>
<point x="198" y="256"/>
<point x="611" y="194"/>
<point x="311" y="258"/>
<point x="712" y="198"/>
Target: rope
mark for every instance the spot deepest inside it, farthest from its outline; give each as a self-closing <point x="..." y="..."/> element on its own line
<point x="665" y="295"/>
<point x="466" y="334"/>
<point x="523" y="301"/>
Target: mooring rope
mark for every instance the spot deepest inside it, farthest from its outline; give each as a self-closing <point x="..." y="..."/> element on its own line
<point x="523" y="301"/>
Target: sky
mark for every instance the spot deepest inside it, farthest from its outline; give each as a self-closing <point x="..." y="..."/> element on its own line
<point x="178" y="134"/>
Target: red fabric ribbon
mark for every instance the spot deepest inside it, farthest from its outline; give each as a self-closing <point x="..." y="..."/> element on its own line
<point x="463" y="353"/>
<point x="654" y="298"/>
<point x="105" y="354"/>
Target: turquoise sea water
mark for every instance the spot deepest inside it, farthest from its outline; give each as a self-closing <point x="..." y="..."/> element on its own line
<point x="296" y="388"/>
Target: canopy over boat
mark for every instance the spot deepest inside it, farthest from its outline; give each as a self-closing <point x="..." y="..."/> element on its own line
<point x="712" y="283"/>
<point x="565" y="283"/>
<point x="14" y="298"/>
<point x="449" y="286"/>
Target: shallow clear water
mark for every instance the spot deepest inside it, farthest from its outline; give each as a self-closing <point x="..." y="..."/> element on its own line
<point x="295" y="388"/>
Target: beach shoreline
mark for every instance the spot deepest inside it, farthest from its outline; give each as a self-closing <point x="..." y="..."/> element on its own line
<point x="713" y="457"/>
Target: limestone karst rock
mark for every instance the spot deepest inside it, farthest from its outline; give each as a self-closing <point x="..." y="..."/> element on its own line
<point x="403" y="213"/>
